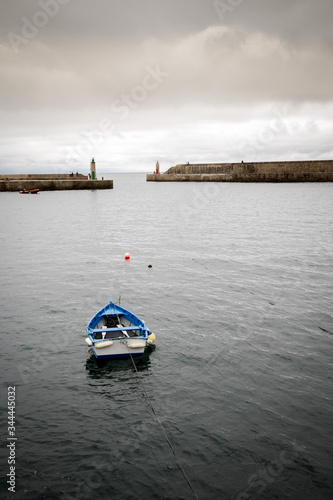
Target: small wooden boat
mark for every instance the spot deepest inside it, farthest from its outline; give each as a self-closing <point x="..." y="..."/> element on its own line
<point x="115" y="332"/>
<point x="29" y="191"/>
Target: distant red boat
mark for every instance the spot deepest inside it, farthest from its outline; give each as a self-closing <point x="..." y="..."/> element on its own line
<point x="29" y="191"/>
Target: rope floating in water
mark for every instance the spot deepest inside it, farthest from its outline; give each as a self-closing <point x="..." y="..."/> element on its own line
<point x="163" y="430"/>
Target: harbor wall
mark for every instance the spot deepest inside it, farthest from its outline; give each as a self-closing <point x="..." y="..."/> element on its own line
<point x="277" y="171"/>
<point x="42" y="176"/>
<point x="54" y="184"/>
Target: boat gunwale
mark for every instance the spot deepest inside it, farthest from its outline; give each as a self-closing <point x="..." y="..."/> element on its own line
<point x="116" y="329"/>
<point x="94" y="341"/>
<point x="117" y="338"/>
<point x="117" y="310"/>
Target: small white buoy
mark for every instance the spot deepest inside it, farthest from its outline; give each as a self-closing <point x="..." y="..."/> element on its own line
<point x="127" y="256"/>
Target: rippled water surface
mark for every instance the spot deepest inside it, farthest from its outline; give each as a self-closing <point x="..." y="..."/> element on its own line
<point x="239" y="296"/>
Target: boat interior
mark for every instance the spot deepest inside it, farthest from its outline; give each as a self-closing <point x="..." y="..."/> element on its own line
<point x="122" y="328"/>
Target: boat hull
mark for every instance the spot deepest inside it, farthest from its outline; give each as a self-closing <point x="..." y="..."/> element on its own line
<point x="115" y="332"/>
<point x="120" y="348"/>
<point x="30" y="191"/>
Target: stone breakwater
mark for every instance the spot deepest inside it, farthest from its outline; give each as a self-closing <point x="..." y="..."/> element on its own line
<point x="51" y="182"/>
<point x="275" y="171"/>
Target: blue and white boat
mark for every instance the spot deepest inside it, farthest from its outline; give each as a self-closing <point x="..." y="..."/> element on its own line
<point x="115" y="332"/>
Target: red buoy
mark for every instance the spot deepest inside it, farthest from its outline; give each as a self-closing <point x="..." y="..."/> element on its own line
<point x="127" y="256"/>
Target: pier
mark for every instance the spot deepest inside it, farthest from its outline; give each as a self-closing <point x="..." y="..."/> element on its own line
<point x="54" y="182"/>
<point x="51" y="182"/>
<point x="274" y="171"/>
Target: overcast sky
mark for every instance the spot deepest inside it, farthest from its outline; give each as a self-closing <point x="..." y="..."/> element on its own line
<point x="134" y="81"/>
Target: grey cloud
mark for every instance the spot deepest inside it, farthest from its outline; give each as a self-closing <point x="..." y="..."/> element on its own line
<point x="218" y="65"/>
<point x="223" y="73"/>
<point x="123" y="19"/>
<point x="296" y="20"/>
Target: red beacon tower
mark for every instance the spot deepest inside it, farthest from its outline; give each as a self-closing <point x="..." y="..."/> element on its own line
<point x="157" y="168"/>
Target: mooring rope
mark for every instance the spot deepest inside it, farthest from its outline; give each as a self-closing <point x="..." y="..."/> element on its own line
<point x="163" y="429"/>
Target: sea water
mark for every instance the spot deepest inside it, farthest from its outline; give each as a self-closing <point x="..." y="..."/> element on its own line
<point x="235" y="402"/>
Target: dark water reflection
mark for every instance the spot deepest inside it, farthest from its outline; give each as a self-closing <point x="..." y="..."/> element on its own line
<point x="104" y="368"/>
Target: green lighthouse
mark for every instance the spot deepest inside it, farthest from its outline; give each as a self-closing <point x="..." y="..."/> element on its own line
<point x="93" y="169"/>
